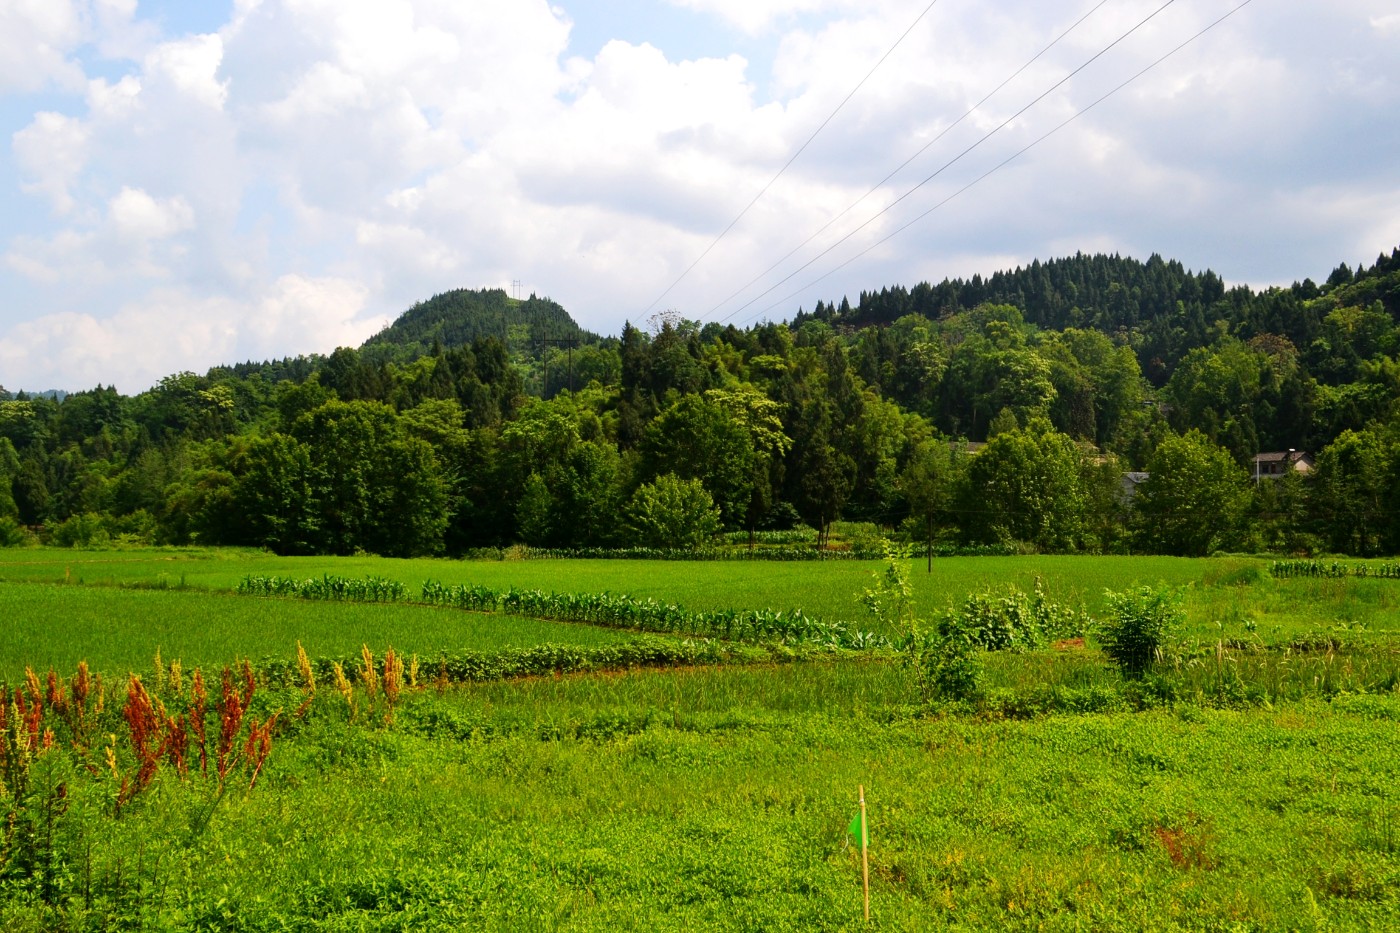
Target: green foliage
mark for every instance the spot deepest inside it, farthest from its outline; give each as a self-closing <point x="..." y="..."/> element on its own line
<point x="349" y="477"/>
<point x="1285" y="569"/>
<point x="13" y="534"/>
<point x="545" y="659"/>
<point x="650" y="615"/>
<point x="949" y="669"/>
<point x="85" y="531"/>
<point x="672" y="513"/>
<point x="1194" y="499"/>
<point x="891" y="599"/>
<point x="367" y="590"/>
<point x="1010" y="620"/>
<point x="1353" y="497"/>
<point x="1026" y="486"/>
<point x="1138" y="625"/>
<point x="946" y="665"/>
<point x="463" y="315"/>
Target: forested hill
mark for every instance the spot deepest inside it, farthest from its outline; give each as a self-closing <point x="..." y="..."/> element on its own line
<point x="469" y="423"/>
<point x="1158" y="306"/>
<point x="463" y="315"/>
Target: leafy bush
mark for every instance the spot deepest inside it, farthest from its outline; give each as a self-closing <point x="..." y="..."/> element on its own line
<point x="672" y="513"/>
<point x="1011" y="621"/>
<point x="792" y="628"/>
<point x="542" y="660"/>
<point x="1140" y="620"/>
<point x="798" y="535"/>
<point x="82" y="531"/>
<point x="946" y="664"/>
<point x="949" y="668"/>
<point x="13" y="534"/>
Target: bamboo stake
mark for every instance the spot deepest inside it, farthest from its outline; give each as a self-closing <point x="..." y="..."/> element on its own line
<point x="864" y="853"/>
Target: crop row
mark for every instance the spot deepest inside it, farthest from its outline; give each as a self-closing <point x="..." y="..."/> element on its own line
<point x="779" y="550"/>
<point x="785" y="553"/>
<point x="543" y="660"/>
<point x="606" y="609"/>
<point x="1283" y="569"/>
<point x="753" y="625"/>
<point x="365" y="590"/>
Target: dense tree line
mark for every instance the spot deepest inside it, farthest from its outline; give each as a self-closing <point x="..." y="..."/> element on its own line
<point x="991" y="411"/>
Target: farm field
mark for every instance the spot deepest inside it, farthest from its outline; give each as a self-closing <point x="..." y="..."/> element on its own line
<point x="1245" y="785"/>
<point x="118" y="630"/>
<point x="1224" y="595"/>
<point x="717" y="799"/>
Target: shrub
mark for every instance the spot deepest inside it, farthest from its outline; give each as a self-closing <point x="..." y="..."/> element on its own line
<point x="13" y="534"/>
<point x="1140" y="620"/>
<point x="672" y="513"/>
<point x="949" y="668"/>
<point x="82" y="531"/>
<point x="1011" y="620"/>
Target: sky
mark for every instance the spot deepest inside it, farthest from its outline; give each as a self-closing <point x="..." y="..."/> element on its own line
<point x="184" y="185"/>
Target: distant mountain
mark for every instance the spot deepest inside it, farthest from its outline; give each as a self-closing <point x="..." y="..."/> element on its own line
<point x="464" y="315"/>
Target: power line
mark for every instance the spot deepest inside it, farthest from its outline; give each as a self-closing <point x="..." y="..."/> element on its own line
<point x="950" y="163"/>
<point x="984" y="175"/>
<point x="905" y="164"/>
<point x="793" y="159"/>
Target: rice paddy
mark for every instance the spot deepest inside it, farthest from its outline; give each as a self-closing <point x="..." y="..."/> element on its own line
<point x="1249" y="784"/>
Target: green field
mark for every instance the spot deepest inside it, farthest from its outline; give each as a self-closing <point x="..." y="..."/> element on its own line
<point x="1246" y="785"/>
<point x="119" y="630"/>
<point x="1222" y="594"/>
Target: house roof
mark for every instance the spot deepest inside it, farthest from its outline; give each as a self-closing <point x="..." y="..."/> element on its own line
<point x="1283" y="456"/>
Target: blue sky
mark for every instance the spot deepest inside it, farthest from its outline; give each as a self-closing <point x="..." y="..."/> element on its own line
<point x="183" y="185"/>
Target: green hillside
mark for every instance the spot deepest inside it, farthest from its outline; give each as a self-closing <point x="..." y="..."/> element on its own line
<point x="458" y="317"/>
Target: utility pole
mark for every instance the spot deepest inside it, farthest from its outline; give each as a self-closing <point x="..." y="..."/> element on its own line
<point x="542" y="345"/>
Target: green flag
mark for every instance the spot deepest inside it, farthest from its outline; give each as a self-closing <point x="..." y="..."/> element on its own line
<point x="859" y="834"/>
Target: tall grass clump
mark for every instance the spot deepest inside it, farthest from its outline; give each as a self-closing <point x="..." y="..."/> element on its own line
<point x="1138" y="624"/>
<point x="946" y="664"/>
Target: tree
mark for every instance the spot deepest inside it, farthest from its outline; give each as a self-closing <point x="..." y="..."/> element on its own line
<point x="703" y="439"/>
<point x="532" y="511"/>
<point x="274" y="503"/>
<point x="930" y="481"/>
<point x="672" y="513"/>
<point x="1352" y="484"/>
<point x="348" y="478"/>
<point x="1025" y="486"/>
<point x="1194" y="499"/>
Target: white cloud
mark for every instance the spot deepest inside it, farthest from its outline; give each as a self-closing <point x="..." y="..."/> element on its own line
<point x="191" y="66"/>
<point x="754" y="16"/>
<point x="52" y="151"/>
<point x="271" y="185"/>
<point x="137" y="215"/>
<point x="36" y="39"/>
<point x="171" y="330"/>
<point x="112" y="102"/>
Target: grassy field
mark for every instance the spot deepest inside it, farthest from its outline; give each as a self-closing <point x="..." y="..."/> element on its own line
<point x="717" y="799"/>
<point x="1223" y="595"/>
<point x="119" y="630"/>
<point x="1238" y="788"/>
